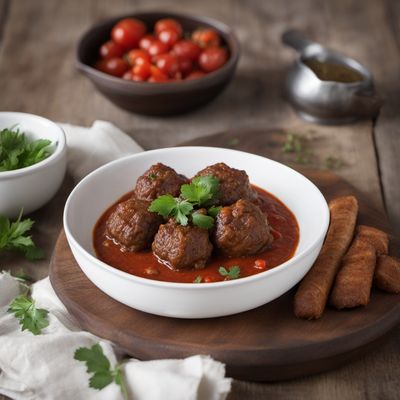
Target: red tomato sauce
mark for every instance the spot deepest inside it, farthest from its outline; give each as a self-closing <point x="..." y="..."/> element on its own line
<point x="284" y="229"/>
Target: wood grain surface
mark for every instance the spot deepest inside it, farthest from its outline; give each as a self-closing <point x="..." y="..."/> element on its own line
<point x="37" y="75"/>
<point x="264" y="344"/>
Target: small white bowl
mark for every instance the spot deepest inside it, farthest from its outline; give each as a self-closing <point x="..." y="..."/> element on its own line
<point x="31" y="187"/>
<point x="94" y="194"/>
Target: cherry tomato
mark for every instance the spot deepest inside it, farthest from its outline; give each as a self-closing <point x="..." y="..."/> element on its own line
<point x="168" y="36"/>
<point x="212" y="58"/>
<point x="137" y="56"/>
<point x="168" y="23"/>
<point x="185" y="66"/>
<point x="186" y="49"/>
<point x="111" y="49"/>
<point x="112" y="66"/>
<point x="128" y="75"/>
<point x="157" y="48"/>
<point x="167" y="63"/>
<point x="195" y="75"/>
<point x="142" y="70"/>
<point x="146" y="41"/>
<point x="206" y="37"/>
<point x="128" y="32"/>
<point x="157" y="75"/>
<point x="260" y="264"/>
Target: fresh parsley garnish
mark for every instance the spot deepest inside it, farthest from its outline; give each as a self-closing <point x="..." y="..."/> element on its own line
<point x="214" y="210"/>
<point x="17" y="151"/>
<point x="232" y="272"/>
<point x="168" y="206"/>
<point x="13" y="236"/>
<point x="152" y="177"/>
<point x="201" y="190"/>
<point x="198" y="279"/>
<point x="99" y="365"/>
<point x="202" y="221"/>
<point x="29" y="317"/>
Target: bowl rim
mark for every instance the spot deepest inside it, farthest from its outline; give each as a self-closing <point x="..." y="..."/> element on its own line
<point x="60" y="146"/>
<point x="204" y="286"/>
<point x="184" y="84"/>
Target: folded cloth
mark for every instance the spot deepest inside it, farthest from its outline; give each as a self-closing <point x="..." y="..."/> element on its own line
<point x="43" y="366"/>
<point x="89" y="148"/>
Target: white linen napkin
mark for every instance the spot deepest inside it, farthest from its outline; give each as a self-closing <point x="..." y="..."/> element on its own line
<point x="42" y="367"/>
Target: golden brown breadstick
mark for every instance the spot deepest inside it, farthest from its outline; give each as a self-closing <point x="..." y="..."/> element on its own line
<point x="387" y="274"/>
<point x="353" y="283"/>
<point x="312" y="294"/>
<point x="378" y="238"/>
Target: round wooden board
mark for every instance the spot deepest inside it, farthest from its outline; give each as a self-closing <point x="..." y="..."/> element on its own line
<point x="264" y="344"/>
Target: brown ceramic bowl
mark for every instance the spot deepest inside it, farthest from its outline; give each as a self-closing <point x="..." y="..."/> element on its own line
<point x="157" y="98"/>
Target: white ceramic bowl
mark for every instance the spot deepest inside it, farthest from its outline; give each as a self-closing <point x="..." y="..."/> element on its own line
<point x="94" y="194"/>
<point x="31" y="187"/>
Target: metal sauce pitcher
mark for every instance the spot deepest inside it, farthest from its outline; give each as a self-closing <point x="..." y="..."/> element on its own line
<point x="328" y="101"/>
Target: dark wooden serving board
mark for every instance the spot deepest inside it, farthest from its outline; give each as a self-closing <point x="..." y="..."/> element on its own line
<point x="264" y="344"/>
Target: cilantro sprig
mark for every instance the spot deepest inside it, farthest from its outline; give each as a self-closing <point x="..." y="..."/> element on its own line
<point x="230" y="273"/>
<point x="99" y="366"/>
<point x="17" y="151"/>
<point x="29" y="316"/>
<point x="14" y="236"/>
<point x="201" y="192"/>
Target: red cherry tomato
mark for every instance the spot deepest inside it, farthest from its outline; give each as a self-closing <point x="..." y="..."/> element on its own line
<point x="137" y="56"/>
<point x="167" y="63"/>
<point x="112" y="66"/>
<point x="146" y="41"/>
<point x="157" y="75"/>
<point x="206" y="37"/>
<point x="186" y="49"/>
<point x="111" y="49"/>
<point x="128" y="32"/>
<point x="195" y="75"/>
<point x="128" y="75"/>
<point x="157" y="48"/>
<point x="260" y="264"/>
<point x="168" y="36"/>
<point x="138" y="78"/>
<point x="168" y="23"/>
<point x="142" y="70"/>
<point x="185" y="66"/>
<point x="212" y="58"/>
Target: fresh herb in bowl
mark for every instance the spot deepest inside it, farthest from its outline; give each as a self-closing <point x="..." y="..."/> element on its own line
<point x="18" y="151"/>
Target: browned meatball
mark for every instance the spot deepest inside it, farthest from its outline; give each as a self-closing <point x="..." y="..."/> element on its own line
<point x="233" y="183"/>
<point x="241" y="229"/>
<point x="132" y="225"/>
<point x="182" y="246"/>
<point x="158" y="180"/>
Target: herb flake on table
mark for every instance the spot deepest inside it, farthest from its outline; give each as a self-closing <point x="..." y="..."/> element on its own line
<point x="14" y="236"/>
<point x="230" y="273"/>
<point x="29" y="316"/>
<point x="17" y="151"/>
<point x="99" y="366"/>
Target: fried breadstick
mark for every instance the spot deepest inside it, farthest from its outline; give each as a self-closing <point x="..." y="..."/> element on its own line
<point x="378" y="238"/>
<point x="387" y="274"/>
<point x="353" y="283"/>
<point x="312" y="294"/>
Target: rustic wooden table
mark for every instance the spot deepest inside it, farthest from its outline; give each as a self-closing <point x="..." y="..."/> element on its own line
<point x="37" y="75"/>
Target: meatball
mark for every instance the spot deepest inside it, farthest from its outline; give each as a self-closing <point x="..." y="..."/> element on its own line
<point x="182" y="246"/>
<point x="158" y="180"/>
<point x="233" y="183"/>
<point x="132" y="225"/>
<point x="241" y="229"/>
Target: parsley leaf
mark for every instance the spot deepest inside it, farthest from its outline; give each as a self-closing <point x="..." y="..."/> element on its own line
<point x="201" y="190"/>
<point x="214" y="210"/>
<point x="17" y="151"/>
<point x="202" y="221"/>
<point x="198" y="279"/>
<point x="30" y="318"/>
<point x="168" y="206"/>
<point x="232" y="273"/>
<point x="13" y="236"/>
<point x="99" y="365"/>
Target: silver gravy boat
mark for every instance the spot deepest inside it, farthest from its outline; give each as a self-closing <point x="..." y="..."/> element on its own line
<point x="328" y="101"/>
